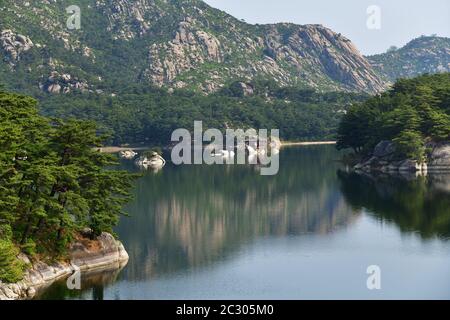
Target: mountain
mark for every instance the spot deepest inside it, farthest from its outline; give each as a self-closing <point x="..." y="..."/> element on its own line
<point x="419" y="56"/>
<point x="168" y="43"/>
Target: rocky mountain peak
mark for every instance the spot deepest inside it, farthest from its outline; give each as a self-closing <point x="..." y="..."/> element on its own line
<point x="426" y="54"/>
<point x="176" y="44"/>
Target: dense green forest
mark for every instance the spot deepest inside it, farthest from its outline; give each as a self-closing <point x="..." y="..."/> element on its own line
<point x="139" y="114"/>
<point x="412" y="113"/>
<point x="53" y="183"/>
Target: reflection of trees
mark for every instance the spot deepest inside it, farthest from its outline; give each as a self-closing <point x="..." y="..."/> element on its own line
<point x="186" y="217"/>
<point x="421" y="204"/>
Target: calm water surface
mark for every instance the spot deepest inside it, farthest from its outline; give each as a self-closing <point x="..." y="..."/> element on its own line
<point x="311" y="231"/>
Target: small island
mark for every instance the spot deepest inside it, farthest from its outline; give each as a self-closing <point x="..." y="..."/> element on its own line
<point x="59" y="199"/>
<point x="406" y="129"/>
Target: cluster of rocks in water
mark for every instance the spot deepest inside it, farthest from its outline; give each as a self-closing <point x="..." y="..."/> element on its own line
<point x="85" y="255"/>
<point x="384" y="159"/>
<point x="152" y="160"/>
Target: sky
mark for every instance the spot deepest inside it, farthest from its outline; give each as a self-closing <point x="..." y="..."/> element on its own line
<point x="391" y="22"/>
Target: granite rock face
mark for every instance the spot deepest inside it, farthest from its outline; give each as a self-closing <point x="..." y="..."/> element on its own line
<point x="440" y="157"/>
<point x="311" y="55"/>
<point x="177" y="44"/>
<point x="384" y="149"/>
<point x="84" y="255"/>
<point x="383" y="159"/>
<point x="14" y="46"/>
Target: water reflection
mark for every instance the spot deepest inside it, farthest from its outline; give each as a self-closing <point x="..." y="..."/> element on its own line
<point x="93" y="285"/>
<point x="193" y="216"/>
<point x="419" y="204"/>
<point x="188" y="226"/>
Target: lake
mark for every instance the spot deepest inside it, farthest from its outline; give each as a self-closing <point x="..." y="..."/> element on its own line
<point x="309" y="232"/>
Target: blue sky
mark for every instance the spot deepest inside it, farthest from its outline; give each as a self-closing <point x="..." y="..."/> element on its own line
<point x="401" y="20"/>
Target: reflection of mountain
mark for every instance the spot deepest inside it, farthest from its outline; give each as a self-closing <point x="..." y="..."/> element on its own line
<point x="191" y="216"/>
<point x="421" y="204"/>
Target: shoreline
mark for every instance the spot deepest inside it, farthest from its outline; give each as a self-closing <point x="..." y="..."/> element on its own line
<point x="305" y="143"/>
<point x="86" y="256"/>
<point x="115" y="149"/>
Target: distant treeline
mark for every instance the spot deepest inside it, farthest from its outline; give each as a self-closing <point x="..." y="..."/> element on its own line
<point x="139" y="114"/>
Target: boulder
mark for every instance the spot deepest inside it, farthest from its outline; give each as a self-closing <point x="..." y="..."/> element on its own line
<point x="127" y="154"/>
<point x="384" y="149"/>
<point x="54" y="88"/>
<point x="440" y="157"/>
<point x="14" y="45"/>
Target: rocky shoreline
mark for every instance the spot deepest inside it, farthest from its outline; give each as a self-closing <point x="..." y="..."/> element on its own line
<point x="85" y="255"/>
<point x="383" y="159"/>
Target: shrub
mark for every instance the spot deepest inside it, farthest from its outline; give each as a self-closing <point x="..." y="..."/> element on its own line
<point x="11" y="268"/>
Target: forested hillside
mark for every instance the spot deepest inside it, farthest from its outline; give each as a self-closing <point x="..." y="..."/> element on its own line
<point x="149" y="115"/>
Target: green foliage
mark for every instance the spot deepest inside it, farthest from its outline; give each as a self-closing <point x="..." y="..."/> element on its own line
<point x="410" y="144"/>
<point x="53" y="182"/>
<point x="149" y="115"/>
<point x="411" y="113"/>
<point x="354" y="130"/>
<point x="11" y="268"/>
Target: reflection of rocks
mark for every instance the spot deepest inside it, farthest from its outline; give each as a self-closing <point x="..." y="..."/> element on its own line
<point x="414" y="204"/>
<point x="441" y="182"/>
<point x="96" y="279"/>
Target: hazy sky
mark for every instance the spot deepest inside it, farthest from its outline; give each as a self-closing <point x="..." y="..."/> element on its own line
<point x="401" y="20"/>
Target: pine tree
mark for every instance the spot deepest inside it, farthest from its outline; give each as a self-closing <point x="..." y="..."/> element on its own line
<point x="53" y="181"/>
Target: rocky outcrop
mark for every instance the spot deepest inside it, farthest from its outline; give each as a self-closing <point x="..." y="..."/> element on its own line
<point x="189" y="49"/>
<point x="384" y="159"/>
<point x="181" y="44"/>
<point x="85" y="255"/>
<point x="321" y="55"/>
<point x="128" y="19"/>
<point x="439" y="158"/>
<point x="14" y="45"/>
<point x="63" y="83"/>
<point x="311" y="55"/>
<point x="419" y="56"/>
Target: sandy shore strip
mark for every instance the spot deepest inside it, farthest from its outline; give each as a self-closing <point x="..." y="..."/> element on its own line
<point x="305" y="143"/>
<point x="118" y="149"/>
<point x="113" y="149"/>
